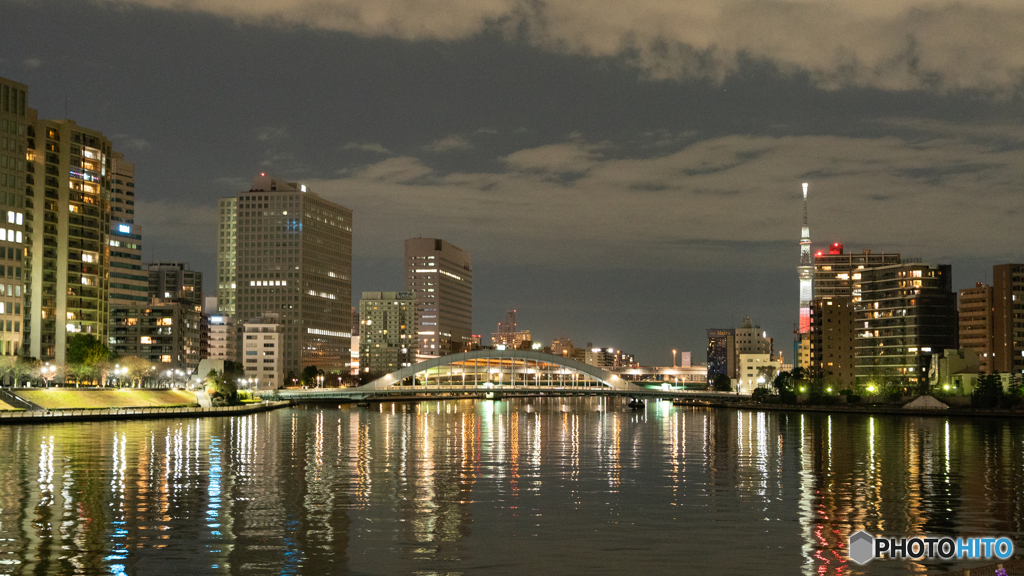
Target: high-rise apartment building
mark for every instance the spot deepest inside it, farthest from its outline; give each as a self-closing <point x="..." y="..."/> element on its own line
<point x="16" y="169"/>
<point x="228" y="220"/>
<point x="1008" y="318"/>
<point x="293" y="257"/>
<point x="129" y="284"/>
<point x="833" y="348"/>
<point x="975" y="323"/>
<point x="839" y="275"/>
<point x="387" y="331"/>
<point x="223" y="342"/>
<point x="440" y="276"/>
<point x="175" y="280"/>
<point x="907" y="313"/>
<point x="66" y="233"/>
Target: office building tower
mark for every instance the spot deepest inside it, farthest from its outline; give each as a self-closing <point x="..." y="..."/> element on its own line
<point x="440" y="276"/>
<point x="833" y="349"/>
<point x="292" y="257"/>
<point x="227" y="224"/>
<point x="68" y="224"/>
<point x="263" y="352"/>
<point x="387" y="331"/>
<point x="907" y="313"/>
<point x="721" y="353"/>
<point x="975" y="325"/>
<point x="1008" y="318"/>
<point x="562" y="346"/>
<point x="17" y="168"/>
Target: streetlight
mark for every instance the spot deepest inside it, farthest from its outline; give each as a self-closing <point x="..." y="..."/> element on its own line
<point x="320" y="378"/>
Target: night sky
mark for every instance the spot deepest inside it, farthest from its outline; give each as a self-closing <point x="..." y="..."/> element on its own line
<point x="623" y="173"/>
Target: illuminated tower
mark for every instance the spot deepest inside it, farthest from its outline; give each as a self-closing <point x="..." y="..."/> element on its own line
<point x="806" y="271"/>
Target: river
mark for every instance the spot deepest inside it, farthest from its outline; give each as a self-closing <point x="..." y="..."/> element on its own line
<point x="521" y="486"/>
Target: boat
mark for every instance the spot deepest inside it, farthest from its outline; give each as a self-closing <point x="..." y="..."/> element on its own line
<point x="636" y="403"/>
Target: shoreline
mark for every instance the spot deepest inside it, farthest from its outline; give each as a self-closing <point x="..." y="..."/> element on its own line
<point x="859" y="409"/>
<point x="114" y="414"/>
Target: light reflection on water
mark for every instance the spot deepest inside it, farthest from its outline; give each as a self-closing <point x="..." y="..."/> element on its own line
<point x="526" y="485"/>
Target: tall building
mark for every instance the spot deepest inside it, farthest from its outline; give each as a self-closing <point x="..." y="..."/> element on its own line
<point x="387" y="331"/>
<point x="721" y="352"/>
<point x="164" y="332"/>
<point x="833" y="348"/>
<point x="293" y="257"/>
<point x="67" y="227"/>
<point x="562" y="346"/>
<point x="228" y="220"/>
<point x="129" y="283"/>
<point x="1008" y="318"/>
<point x="975" y="323"/>
<point x="907" y="313"/>
<point x="440" y="276"/>
<point x="175" y="280"/>
<point x="17" y="176"/>
<point x="838" y="275"/>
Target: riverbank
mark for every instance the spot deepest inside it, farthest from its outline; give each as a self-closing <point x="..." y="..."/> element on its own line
<point x="862" y="409"/>
<point x="93" y="415"/>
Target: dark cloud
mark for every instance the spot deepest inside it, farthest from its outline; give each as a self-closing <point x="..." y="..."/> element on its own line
<point x="616" y="183"/>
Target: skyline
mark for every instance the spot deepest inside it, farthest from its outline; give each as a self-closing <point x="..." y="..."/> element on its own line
<point x="605" y="200"/>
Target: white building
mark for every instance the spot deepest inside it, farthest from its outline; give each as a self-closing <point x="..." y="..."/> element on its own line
<point x="752" y="372"/>
<point x="263" y="352"/>
<point x="223" y="343"/>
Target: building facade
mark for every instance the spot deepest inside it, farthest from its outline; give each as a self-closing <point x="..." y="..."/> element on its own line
<point x="1008" y="318"/>
<point x="223" y="340"/>
<point x="721" y="353"/>
<point x="440" y="276"/>
<point x="164" y="332"/>
<point x="175" y="280"/>
<point x="17" y="177"/>
<point x="387" y="331"/>
<point x="833" y="349"/>
<point x="292" y="257"/>
<point x="907" y="313"/>
<point x="263" y="352"/>
<point x="66" y="236"/>
<point x="129" y="283"/>
<point x="839" y="275"/>
<point x="227" y="224"/>
<point x="755" y="371"/>
<point x="974" y="323"/>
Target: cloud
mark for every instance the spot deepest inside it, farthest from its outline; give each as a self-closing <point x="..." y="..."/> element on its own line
<point x="267" y="133"/>
<point x="448" y="143"/>
<point x="126" y="141"/>
<point x="31" y="63"/>
<point x="647" y="213"/>
<point x="374" y="147"/>
<point x="890" y="44"/>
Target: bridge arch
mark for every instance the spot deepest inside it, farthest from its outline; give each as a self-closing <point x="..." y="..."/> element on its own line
<point x="508" y="369"/>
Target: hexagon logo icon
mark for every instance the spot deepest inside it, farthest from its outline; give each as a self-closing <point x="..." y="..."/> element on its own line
<point x="861" y="547"/>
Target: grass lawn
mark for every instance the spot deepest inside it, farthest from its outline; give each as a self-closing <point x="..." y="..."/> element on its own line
<point x="5" y="406"/>
<point x="71" y="398"/>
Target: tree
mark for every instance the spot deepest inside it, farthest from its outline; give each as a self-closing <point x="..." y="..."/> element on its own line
<point x="86" y="349"/>
<point x="783" y="381"/>
<point x="988" y="392"/>
<point x="722" y="383"/>
<point x="308" y="376"/>
<point x="766" y="376"/>
<point x="223" y="388"/>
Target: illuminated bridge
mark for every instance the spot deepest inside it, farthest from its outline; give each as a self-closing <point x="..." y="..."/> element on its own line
<point x="490" y="373"/>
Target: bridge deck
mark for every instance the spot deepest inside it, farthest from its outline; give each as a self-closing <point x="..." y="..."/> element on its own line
<point x="396" y="392"/>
